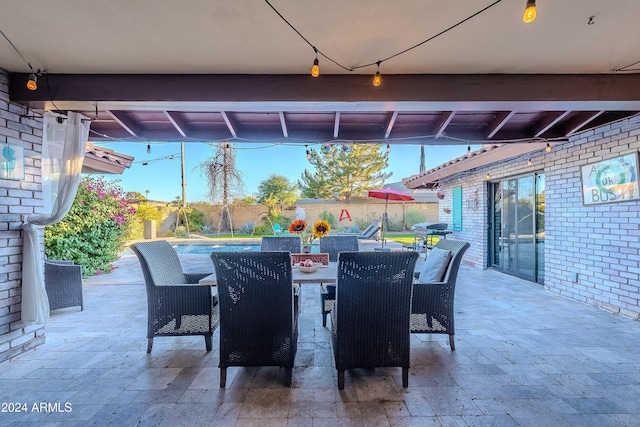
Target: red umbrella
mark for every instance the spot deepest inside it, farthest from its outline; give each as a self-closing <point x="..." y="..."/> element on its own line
<point x="388" y="194"/>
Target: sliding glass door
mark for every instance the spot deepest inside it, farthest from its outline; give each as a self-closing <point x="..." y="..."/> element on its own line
<point x="516" y="232"/>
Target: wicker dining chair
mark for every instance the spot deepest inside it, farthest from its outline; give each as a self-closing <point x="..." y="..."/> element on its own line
<point x="291" y="244"/>
<point x="63" y="283"/>
<point x="176" y="304"/>
<point x="333" y="245"/>
<point x="258" y="310"/>
<point x="370" y="319"/>
<point x="432" y="309"/>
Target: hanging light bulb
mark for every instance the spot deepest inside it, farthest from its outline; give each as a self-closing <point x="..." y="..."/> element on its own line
<point x="487" y="177"/>
<point x="548" y="148"/>
<point x="326" y="147"/>
<point x="388" y="148"/>
<point x="529" y="12"/>
<point x="529" y="163"/>
<point x="32" y="83"/>
<point x="468" y="148"/>
<point x="148" y="148"/>
<point x="227" y="148"/>
<point x="315" y="70"/>
<point x="377" y="79"/>
<point x="308" y="153"/>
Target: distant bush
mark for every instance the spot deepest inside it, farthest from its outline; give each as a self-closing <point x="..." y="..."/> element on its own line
<point x="93" y="232"/>
<point x="329" y="217"/>
<point x="366" y="221"/>
<point x="206" y="229"/>
<point x="246" y="228"/>
<point x="144" y="212"/>
<point x="181" y="231"/>
<point x="413" y="217"/>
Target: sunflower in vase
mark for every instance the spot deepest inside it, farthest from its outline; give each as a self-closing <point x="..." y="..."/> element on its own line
<point x="319" y="229"/>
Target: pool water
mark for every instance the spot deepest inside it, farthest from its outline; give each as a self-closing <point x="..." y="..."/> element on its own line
<point x="200" y="249"/>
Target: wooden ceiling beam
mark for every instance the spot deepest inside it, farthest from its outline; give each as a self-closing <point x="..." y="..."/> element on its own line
<point x="441" y="126"/>
<point x="283" y="124"/>
<point x="230" y="123"/>
<point x="391" y="120"/>
<point x="501" y="119"/>
<point x="557" y="91"/>
<point x="123" y="119"/>
<point x="177" y="123"/>
<point x="549" y="121"/>
<point x="580" y="121"/>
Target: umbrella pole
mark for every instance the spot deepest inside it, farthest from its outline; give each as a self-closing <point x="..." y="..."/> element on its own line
<point x="385" y="222"/>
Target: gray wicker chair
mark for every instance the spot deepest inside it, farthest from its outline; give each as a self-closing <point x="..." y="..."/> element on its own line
<point x="258" y="310"/>
<point x="291" y="244"/>
<point x="370" y="319"/>
<point x="63" y="283"/>
<point x="333" y="245"/>
<point x="176" y="304"/>
<point x="432" y="307"/>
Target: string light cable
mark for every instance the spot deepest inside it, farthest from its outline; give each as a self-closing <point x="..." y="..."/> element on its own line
<point x="380" y="61"/>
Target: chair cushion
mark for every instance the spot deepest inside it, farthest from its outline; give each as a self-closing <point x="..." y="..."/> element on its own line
<point x="435" y="266"/>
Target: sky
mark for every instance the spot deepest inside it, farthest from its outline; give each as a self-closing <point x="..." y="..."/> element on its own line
<point x="161" y="176"/>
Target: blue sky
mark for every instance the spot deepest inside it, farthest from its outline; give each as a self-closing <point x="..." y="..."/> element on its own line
<point x="162" y="175"/>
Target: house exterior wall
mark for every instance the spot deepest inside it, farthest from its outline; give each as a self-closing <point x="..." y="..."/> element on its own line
<point x="17" y="199"/>
<point x="601" y="243"/>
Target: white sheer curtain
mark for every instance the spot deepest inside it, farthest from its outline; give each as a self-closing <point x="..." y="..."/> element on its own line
<point x="63" y="147"/>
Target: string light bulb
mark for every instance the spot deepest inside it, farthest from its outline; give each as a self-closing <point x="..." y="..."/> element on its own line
<point x="548" y="148"/>
<point x="32" y="83"/>
<point x="487" y="177"/>
<point x="308" y="152"/>
<point x="529" y="163"/>
<point x="315" y="70"/>
<point x="388" y="148"/>
<point x="529" y="12"/>
<point x="377" y="78"/>
<point x="148" y="148"/>
<point x="468" y="148"/>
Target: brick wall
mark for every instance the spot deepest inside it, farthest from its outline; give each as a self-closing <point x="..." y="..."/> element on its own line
<point x="17" y="198"/>
<point x="601" y="243"/>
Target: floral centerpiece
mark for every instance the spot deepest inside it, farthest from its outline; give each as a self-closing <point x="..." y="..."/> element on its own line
<point x="319" y="229"/>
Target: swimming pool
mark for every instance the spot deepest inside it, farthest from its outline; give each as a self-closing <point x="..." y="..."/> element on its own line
<point x="206" y="249"/>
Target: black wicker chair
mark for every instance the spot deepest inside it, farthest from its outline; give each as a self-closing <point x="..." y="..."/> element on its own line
<point x="176" y="304"/>
<point x="370" y="319"/>
<point x="291" y="244"/>
<point x="63" y="283"/>
<point x="432" y="307"/>
<point x="258" y="310"/>
<point x="333" y="245"/>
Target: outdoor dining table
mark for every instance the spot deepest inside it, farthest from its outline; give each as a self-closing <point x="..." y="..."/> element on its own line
<point x="324" y="274"/>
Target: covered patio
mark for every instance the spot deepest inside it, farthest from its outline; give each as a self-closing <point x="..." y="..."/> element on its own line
<point x="523" y="357"/>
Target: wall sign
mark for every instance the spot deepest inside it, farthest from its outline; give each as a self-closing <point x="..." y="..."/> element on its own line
<point x="609" y="181"/>
<point x="11" y="162"/>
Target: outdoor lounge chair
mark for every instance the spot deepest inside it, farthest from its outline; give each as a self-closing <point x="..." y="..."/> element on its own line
<point x="370" y="319"/>
<point x="291" y="244"/>
<point x="371" y="232"/>
<point x="333" y="245"/>
<point x="432" y="307"/>
<point x="176" y="304"/>
<point x="258" y="310"/>
<point x="63" y="283"/>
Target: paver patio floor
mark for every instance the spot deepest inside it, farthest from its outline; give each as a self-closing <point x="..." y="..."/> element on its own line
<point x="524" y="357"/>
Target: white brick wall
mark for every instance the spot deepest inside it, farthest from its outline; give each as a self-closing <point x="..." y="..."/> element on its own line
<point x="17" y="198"/>
<point x="600" y="243"/>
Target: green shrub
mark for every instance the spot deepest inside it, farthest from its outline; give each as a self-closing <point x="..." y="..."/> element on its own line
<point x="329" y="217"/>
<point x="144" y="212"/>
<point x="93" y="232"/>
<point x="195" y="217"/>
<point x="413" y="217"/>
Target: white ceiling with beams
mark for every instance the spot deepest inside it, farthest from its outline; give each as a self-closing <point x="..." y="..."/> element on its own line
<point x="489" y="79"/>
